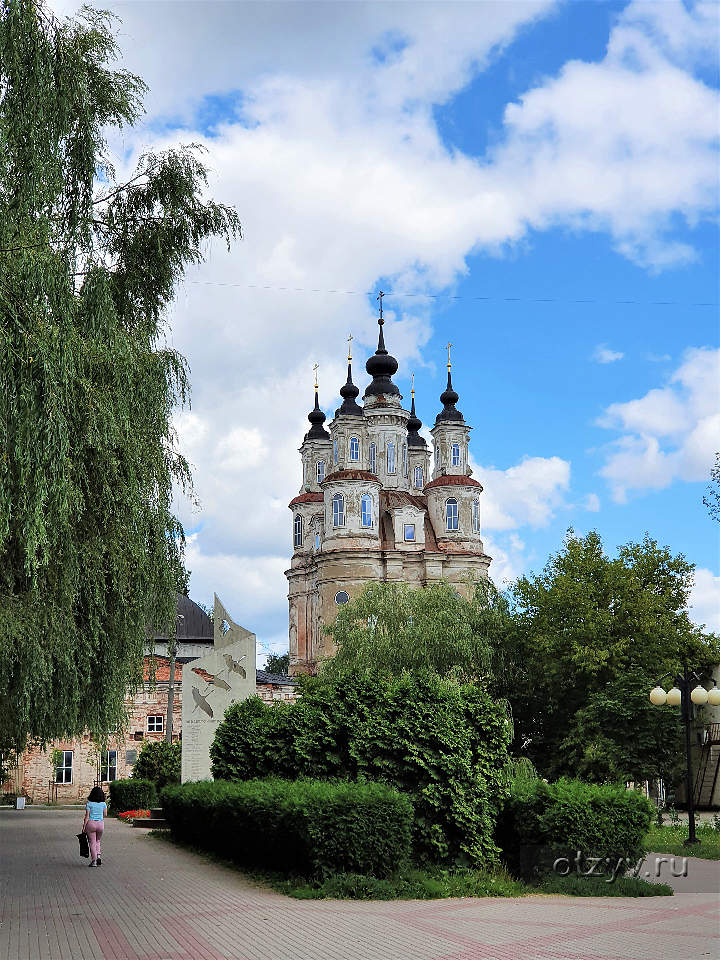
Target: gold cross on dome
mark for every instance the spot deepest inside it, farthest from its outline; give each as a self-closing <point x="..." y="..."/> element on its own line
<point x="350" y="340"/>
<point x="315" y="370"/>
<point x="448" y="350"/>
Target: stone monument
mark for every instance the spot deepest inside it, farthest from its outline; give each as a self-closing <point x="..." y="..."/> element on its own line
<point x="209" y="685"/>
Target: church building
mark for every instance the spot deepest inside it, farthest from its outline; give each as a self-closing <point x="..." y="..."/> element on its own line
<point x="376" y="504"/>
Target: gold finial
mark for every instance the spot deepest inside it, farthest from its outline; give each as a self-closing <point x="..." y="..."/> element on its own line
<point x="412" y="384"/>
<point x="315" y="370"/>
<point x="449" y="365"/>
<point x="350" y="340"/>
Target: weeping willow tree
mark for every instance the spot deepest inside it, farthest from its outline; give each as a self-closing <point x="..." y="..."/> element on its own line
<point x="90" y="552"/>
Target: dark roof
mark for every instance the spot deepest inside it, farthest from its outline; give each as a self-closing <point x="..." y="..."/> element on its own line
<point x="381" y="366"/>
<point x="349" y="392"/>
<point x="195" y="624"/>
<point x="279" y="679"/>
<point x="448" y="398"/>
<point x="317" y="419"/>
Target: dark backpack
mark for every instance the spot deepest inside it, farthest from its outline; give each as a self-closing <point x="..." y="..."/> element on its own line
<point x="84" y="845"/>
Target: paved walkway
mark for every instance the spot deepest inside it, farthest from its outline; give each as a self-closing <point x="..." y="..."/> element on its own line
<point x="152" y="901"/>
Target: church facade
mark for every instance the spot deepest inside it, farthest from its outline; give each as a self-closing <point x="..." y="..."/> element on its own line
<point x="377" y="504"/>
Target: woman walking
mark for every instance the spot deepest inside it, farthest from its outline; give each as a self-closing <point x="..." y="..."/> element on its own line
<point x="95" y="810"/>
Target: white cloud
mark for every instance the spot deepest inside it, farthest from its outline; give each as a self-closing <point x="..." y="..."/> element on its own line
<point x="603" y="354"/>
<point x="592" y="503"/>
<point x="527" y="494"/>
<point x="705" y="599"/>
<point x="671" y="433"/>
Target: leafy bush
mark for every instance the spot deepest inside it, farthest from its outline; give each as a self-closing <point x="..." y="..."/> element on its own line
<point x="312" y="827"/>
<point x="441" y="743"/>
<point x="160" y="762"/>
<point x="544" y="821"/>
<point x="132" y="795"/>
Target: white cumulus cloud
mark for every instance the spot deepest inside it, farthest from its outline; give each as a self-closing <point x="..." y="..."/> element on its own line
<point x="604" y="354"/>
<point x="705" y="600"/>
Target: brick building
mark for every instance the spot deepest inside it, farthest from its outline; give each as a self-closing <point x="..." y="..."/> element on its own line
<point x="82" y="768"/>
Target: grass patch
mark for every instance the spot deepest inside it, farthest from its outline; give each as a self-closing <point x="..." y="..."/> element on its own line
<point x="576" y="886"/>
<point x="669" y="839"/>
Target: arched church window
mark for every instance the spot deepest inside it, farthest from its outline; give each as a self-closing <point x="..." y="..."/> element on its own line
<point x="373" y="458"/>
<point x="320" y="471"/>
<point x="456" y="454"/>
<point x="354" y="448"/>
<point x="297" y="531"/>
<point x="366" y="510"/>
<point x="390" y="457"/>
<point x="451" y="513"/>
<point x="476" y="515"/>
<point x="418" y="478"/>
<point x="338" y="503"/>
<point x="335" y="452"/>
<point x="317" y="541"/>
<point x="405" y="460"/>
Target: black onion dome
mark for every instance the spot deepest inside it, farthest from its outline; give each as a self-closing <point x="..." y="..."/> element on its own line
<point x="349" y="392"/>
<point x="317" y="419"/>
<point x="413" y="425"/>
<point x="449" y="398"/>
<point x="381" y="366"/>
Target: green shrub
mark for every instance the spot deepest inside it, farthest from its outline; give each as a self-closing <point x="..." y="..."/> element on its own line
<point x="160" y="762"/>
<point x="541" y="822"/>
<point x="316" y="828"/>
<point x="132" y="795"/>
<point x="441" y="743"/>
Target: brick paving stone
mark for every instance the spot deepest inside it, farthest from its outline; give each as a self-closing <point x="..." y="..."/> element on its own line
<point x="153" y="901"/>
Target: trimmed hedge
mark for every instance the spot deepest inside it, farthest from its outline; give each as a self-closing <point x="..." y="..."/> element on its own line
<point x="441" y="743"/>
<point x="132" y="795"/>
<point x="311" y="827"/>
<point x="541" y="822"/>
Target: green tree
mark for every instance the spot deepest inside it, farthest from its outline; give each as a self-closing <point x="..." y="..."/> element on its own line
<point x="712" y="497"/>
<point x="278" y="663"/>
<point x="160" y="762"/>
<point x="578" y="628"/>
<point x="90" y="552"/>
<point x="390" y="628"/>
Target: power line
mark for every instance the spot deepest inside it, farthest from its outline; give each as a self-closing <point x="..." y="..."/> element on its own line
<point x="447" y="296"/>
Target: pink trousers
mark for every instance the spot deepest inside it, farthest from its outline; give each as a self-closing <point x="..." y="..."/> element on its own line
<point x="94" y="830"/>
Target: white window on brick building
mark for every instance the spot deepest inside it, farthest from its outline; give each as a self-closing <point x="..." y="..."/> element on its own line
<point x="405" y="460"/>
<point x="354" y="448"/>
<point x="155" y="723"/>
<point x="297" y="531"/>
<point x="335" y="451"/>
<point x="418" y="478"/>
<point x="476" y="515"/>
<point x="409" y="532"/>
<point x="373" y="458"/>
<point x="63" y="773"/>
<point x="451" y="514"/>
<point x="366" y="510"/>
<point x="320" y="471"/>
<point x="338" y="503"/>
<point x="456" y="454"/>
<point x="390" y="457"/>
<point x="108" y="769"/>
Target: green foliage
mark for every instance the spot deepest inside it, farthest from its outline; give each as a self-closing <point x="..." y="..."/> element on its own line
<point x="278" y="663"/>
<point x="543" y="821"/>
<point x="442" y="744"/>
<point x="390" y="628"/>
<point x="314" y="827"/>
<point x="160" y="762"/>
<point x="579" y="886"/>
<point x="589" y="634"/>
<point x="132" y="794"/>
<point x="90" y="552"/>
<point x="712" y="497"/>
<point x="670" y="839"/>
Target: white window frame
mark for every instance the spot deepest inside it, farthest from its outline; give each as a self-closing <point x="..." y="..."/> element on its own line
<point x="338" y="506"/>
<point x="106" y="767"/>
<point x="476" y="515"/>
<point x="65" y="768"/>
<point x="372" y="454"/>
<point x="418" y="474"/>
<point x="390" y="456"/>
<point x="297" y="531"/>
<point x="354" y="449"/>
<point x="366" y="501"/>
<point x="405" y="460"/>
<point x="320" y="471"/>
<point x="456" y="459"/>
<point x="335" y="451"/>
<point x="411" y="538"/>
<point x="154" y="727"/>
<point x="451" y="514"/>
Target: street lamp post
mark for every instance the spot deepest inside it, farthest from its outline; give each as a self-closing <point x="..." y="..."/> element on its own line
<point x="681" y="695"/>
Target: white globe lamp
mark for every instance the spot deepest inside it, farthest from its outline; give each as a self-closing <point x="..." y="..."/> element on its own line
<point x="674" y="697"/>
<point x="699" y="695"/>
<point x="658" y="696"/>
<point x="714" y="697"/>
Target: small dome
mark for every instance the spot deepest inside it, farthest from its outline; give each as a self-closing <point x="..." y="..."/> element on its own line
<point x="413" y="425"/>
<point x="349" y="393"/>
<point x="317" y="419"/>
<point x="449" y="398"/>
<point x="381" y="366"/>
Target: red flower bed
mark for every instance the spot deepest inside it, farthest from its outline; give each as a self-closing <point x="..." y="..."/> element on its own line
<point x="134" y="814"/>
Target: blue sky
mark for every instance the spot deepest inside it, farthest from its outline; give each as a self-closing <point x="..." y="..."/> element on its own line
<point x="520" y="169"/>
